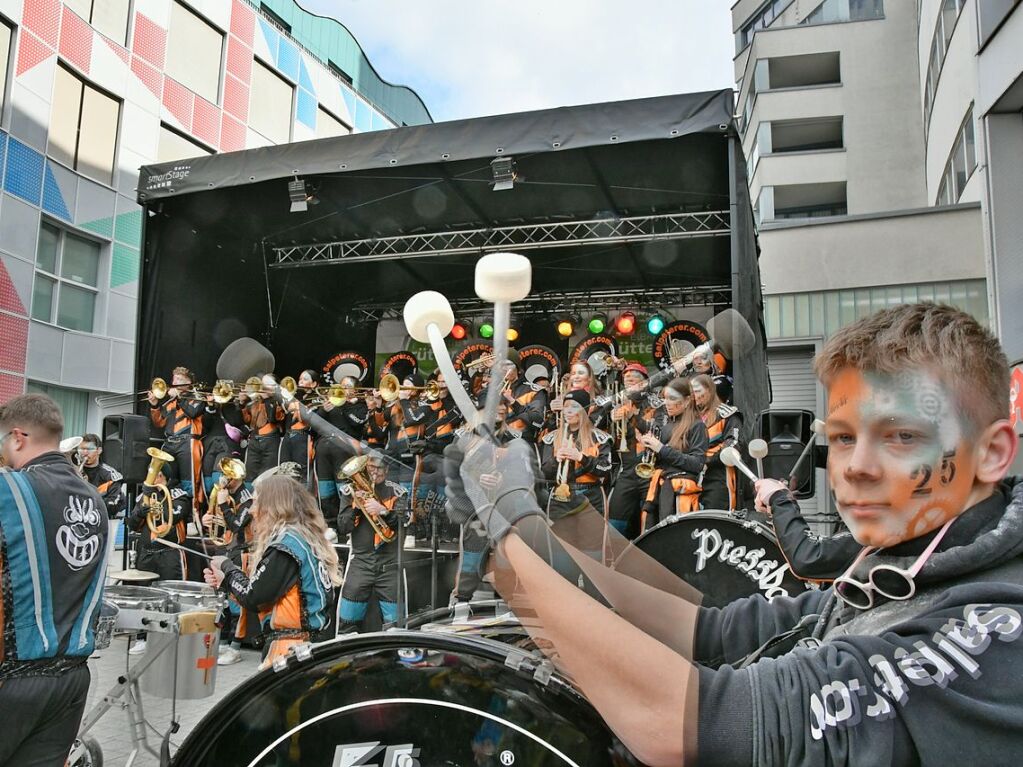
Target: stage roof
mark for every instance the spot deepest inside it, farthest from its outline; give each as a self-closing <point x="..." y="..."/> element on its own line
<point x="640" y="204"/>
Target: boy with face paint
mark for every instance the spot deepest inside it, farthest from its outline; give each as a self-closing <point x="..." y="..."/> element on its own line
<point x="910" y="658"/>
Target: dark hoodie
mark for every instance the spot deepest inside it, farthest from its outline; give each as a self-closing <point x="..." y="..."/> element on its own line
<point x="935" y="679"/>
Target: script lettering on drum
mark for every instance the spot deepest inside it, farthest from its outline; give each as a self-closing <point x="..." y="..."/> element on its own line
<point x="768" y="574"/>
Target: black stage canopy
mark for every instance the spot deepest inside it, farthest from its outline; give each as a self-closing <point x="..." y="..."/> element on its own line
<point x="636" y="205"/>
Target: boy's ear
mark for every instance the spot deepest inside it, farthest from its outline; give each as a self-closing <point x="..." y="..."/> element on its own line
<point x="996" y="450"/>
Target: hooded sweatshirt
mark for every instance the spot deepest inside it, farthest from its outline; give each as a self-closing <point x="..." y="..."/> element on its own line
<point x="935" y="679"/>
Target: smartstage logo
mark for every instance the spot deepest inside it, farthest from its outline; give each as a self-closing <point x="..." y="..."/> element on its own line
<point x="368" y="755"/>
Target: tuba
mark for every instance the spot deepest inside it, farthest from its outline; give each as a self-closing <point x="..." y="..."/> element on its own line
<point x="158" y="502"/>
<point x="354" y="470"/>
<point x="230" y="469"/>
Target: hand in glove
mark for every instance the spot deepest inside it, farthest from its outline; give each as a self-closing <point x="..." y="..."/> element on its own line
<point x="498" y="504"/>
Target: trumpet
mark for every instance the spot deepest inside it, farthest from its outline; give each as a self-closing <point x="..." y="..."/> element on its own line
<point x="158" y="503"/>
<point x="230" y="469"/>
<point x="563" y="492"/>
<point x="354" y="470"/>
<point x="390" y="387"/>
<point x="483" y="361"/>
<point x="647" y="461"/>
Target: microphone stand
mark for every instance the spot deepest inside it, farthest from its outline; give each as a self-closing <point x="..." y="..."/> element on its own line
<point x="433" y="559"/>
<point x="401" y="619"/>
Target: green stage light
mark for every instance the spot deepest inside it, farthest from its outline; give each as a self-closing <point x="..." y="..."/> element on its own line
<point x="655" y="325"/>
<point x="486" y="330"/>
<point x="597" y="324"/>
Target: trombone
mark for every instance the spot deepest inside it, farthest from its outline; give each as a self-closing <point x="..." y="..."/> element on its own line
<point x="390" y="388"/>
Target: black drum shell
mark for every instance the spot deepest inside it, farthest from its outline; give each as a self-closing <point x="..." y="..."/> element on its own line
<point x="462" y="675"/>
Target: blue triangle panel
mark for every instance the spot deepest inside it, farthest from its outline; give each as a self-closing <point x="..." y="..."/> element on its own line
<point x="303" y="77"/>
<point x="350" y="102"/>
<point x="271" y="36"/>
<point x="53" y="200"/>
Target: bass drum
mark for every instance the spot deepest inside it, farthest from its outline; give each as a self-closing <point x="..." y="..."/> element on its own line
<point x="721" y="554"/>
<point x="407" y="699"/>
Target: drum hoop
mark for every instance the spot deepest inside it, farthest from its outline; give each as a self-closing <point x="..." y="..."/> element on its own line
<point x="423" y="701"/>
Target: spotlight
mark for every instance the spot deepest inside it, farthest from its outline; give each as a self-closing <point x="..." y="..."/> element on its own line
<point x="486" y="330"/>
<point x="597" y="324"/>
<point x="459" y="331"/>
<point x="504" y="172"/>
<point x="513" y="334"/>
<point x="301" y="195"/>
<point x="655" y="325"/>
<point x="625" y="325"/>
<point x="566" y="328"/>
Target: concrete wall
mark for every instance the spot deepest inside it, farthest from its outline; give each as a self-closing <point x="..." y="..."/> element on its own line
<point x="935" y="244"/>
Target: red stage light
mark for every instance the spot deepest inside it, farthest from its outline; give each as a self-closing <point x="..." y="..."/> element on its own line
<point x="459" y="331"/>
<point x="625" y="325"/>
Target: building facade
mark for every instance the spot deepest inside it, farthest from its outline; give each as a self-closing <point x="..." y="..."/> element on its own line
<point x="94" y="89"/>
<point x="864" y="125"/>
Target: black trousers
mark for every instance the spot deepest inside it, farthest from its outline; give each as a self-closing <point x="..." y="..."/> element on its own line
<point x="167" y="563"/>
<point x="261" y="454"/>
<point x="331" y="454"/>
<point x="472" y="546"/>
<point x="181" y="467"/>
<point x="369" y="575"/>
<point x="295" y="447"/>
<point x="41" y="717"/>
<point x="627" y="500"/>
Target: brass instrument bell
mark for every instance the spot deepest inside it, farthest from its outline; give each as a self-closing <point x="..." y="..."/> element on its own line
<point x="159" y="504"/>
<point x="158" y="388"/>
<point x="230" y="469"/>
<point x="289" y="384"/>
<point x="390" y="387"/>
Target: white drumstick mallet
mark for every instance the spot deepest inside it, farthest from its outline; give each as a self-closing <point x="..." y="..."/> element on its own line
<point x="817" y="427"/>
<point x="731" y="457"/>
<point x="758" y="450"/>
<point x="428" y="318"/>
<point x="501" y="278"/>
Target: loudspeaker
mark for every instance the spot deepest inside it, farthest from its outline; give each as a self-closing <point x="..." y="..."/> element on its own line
<point x="125" y="439"/>
<point x="787" y="432"/>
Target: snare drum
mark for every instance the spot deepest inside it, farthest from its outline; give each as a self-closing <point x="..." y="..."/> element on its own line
<point x="105" y="623"/>
<point x="405" y="698"/>
<point x="132" y="601"/>
<point x="724" y="556"/>
<point x="191" y="594"/>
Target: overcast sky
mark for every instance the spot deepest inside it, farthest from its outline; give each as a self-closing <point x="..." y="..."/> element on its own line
<point x="468" y="58"/>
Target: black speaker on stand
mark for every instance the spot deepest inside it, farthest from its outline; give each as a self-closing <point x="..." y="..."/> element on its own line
<point x="787" y="432"/>
<point x="125" y="440"/>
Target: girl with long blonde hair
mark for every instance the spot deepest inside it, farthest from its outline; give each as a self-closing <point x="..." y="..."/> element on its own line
<point x="293" y="569"/>
<point x="576" y="457"/>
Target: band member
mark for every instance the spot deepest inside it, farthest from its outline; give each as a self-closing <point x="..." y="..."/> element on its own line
<point x="223" y="428"/>
<point x="678" y="439"/>
<point x="101" y="476"/>
<point x="407" y="421"/>
<point x="294" y="572"/>
<point x="349" y="416"/>
<point x="710" y="363"/>
<point x="180" y="417"/>
<point x="297" y="445"/>
<point x="724" y="425"/>
<point x="526" y="401"/>
<point x="372" y="568"/>
<point x="444" y="418"/>
<point x="264" y="417"/>
<point x="576" y="460"/>
<point x="168" y="563"/>
<point x="629" y="487"/>
<point x="580" y="378"/>
<point x="53" y="529"/>
<point x="374" y="431"/>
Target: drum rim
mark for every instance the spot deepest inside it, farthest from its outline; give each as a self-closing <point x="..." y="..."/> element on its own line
<point x="378" y="640"/>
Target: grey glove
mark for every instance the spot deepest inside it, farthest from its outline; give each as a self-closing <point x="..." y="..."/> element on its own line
<point x="506" y="497"/>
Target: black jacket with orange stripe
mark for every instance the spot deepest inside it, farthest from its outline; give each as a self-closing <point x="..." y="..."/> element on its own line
<point x="110" y="483"/>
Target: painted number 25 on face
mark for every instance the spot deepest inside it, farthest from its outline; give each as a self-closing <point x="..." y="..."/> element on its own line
<point x="924" y="473"/>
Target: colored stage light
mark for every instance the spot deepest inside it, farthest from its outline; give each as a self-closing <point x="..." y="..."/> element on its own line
<point x="459" y="331"/>
<point x="486" y="330"/>
<point x="513" y="334"/>
<point x="655" y="325"/>
<point x="597" y="324"/>
<point x="566" y="328"/>
<point x="625" y="325"/>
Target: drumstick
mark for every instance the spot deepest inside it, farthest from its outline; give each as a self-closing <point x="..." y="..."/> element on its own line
<point x="817" y="427"/>
<point x="170" y="545"/>
<point x="730" y="457"/>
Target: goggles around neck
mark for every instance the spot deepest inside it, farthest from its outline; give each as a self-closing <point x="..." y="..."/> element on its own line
<point x="895" y="583"/>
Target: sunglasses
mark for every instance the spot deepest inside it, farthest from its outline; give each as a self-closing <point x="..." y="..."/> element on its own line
<point x="895" y="583"/>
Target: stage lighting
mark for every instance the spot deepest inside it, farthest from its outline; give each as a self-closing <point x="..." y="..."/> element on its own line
<point x="655" y="325"/>
<point x="486" y="330"/>
<point x="597" y="324"/>
<point x="504" y="172"/>
<point x="513" y="334"/>
<point x="459" y="331"/>
<point x="625" y="325"/>
<point x="301" y="195"/>
<point x="566" y="328"/>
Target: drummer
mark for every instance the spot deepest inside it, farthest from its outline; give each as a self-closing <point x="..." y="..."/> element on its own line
<point x="293" y="569"/>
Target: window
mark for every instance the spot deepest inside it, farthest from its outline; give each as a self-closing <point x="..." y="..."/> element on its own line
<point x="962" y="161"/>
<point x="943" y="29"/>
<point x="5" y="57"/>
<point x="73" y="404"/>
<point x="108" y="17"/>
<point x="194" y="53"/>
<point x="66" y="280"/>
<point x="174" y="146"/>
<point x="85" y="136"/>
<point x="267" y="11"/>
<point x="327" y="125"/>
<point x="760" y="20"/>
<point x="270" y="104"/>
<point x="339" y="72"/>
<point x="831" y="11"/>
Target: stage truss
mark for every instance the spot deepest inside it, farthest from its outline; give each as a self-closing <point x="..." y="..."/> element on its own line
<point x="608" y="231"/>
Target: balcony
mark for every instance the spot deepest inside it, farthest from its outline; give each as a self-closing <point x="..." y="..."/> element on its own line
<point x="802" y="201"/>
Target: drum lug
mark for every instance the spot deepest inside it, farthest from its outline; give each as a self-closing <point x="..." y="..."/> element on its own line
<point x="303" y="652"/>
<point x="539" y="668"/>
<point x="543" y="672"/>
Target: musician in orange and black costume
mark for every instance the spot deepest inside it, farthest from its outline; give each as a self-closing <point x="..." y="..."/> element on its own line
<point x="678" y="440"/>
<point x="297" y="444"/>
<point x="585" y="451"/>
<point x="153" y="557"/>
<point x="265" y="418"/>
<point x="407" y="420"/>
<point x="332" y="450"/>
<point x="374" y="431"/>
<point x="442" y="421"/>
<point x="180" y="416"/>
<point x="724" y="427"/>
<point x="527" y="402"/>
<point x="629" y="488"/>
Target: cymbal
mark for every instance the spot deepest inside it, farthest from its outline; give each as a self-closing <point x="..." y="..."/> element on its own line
<point x="134" y="576"/>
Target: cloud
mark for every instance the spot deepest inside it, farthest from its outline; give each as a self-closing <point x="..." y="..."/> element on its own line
<point x="468" y="58"/>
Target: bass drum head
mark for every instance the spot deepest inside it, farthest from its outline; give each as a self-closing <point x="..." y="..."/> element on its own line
<point x="407" y="699"/>
<point x="724" y="556"/>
